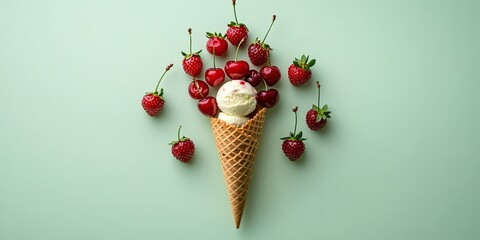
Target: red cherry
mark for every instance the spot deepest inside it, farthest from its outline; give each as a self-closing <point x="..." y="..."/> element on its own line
<point x="217" y="41"/>
<point x="208" y="106"/>
<point x="214" y="76"/>
<point x="253" y="77"/>
<point x="268" y="98"/>
<point x="271" y="75"/>
<point x="236" y="69"/>
<point x="198" y="89"/>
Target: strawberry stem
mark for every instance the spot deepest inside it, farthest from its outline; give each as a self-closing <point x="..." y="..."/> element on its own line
<point x="295" y="129"/>
<point x="236" y="51"/>
<point x="190" y="35"/>
<point x="235" y="11"/>
<point x="273" y="20"/>
<point x="166" y="70"/>
<point x="318" y="97"/>
<point x="178" y="133"/>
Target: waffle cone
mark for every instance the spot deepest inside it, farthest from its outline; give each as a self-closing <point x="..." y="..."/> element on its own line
<point x="237" y="148"/>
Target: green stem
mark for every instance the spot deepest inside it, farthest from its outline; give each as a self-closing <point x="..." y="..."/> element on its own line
<point x="178" y="133"/>
<point x="214" y="67"/>
<point x="273" y="20"/>
<point x="265" y="83"/>
<point x="235" y="12"/>
<point x="158" y="84"/>
<point x="318" y="97"/>
<point x="295" y="129"/>
<point x="238" y="47"/>
<point x="190" y="35"/>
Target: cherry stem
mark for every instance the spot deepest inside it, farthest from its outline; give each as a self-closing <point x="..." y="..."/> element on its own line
<point x="236" y="51"/>
<point x="318" y="97"/>
<point x="295" y="111"/>
<point x="198" y="87"/>
<point x="178" y="133"/>
<point x="190" y="35"/>
<point x="273" y="20"/>
<point x="166" y="70"/>
<point x="235" y="11"/>
<point x="214" y="67"/>
<point x="265" y="83"/>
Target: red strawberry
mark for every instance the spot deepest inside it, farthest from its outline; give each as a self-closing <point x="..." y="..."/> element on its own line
<point x="316" y="117"/>
<point x="183" y="149"/>
<point x="152" y="103"/>
<point x="259" y="52"/>
<point x="236" y="31"/>
<point x="293" y="146"/>
<point x="299" y="72"/>
<point x="216" y="44"/>
<point x="192" y="62"/>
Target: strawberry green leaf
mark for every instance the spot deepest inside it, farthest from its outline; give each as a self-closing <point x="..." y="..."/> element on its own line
<point x="311" y="63"/>
<point x="184" y="54"/>
<point x="299" y="135"/>
<point x="304" y="59"/>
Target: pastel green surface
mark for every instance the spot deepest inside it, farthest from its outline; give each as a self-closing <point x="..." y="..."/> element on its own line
<point x="80" y="159"/>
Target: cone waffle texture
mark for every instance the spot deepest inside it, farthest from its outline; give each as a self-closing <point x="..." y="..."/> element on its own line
<point x="237" y="148"/>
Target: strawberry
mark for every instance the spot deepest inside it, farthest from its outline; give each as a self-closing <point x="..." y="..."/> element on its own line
<point x="316" y="117"/>
<point x="153" y="102"/>
<point x="183" y="149"/>
<point x="236" y="31"/>
<point x="299" y="72"/>
<point x="259" y="52"/>
<point x="293" y="146"/>
<point x="192" y="62"/>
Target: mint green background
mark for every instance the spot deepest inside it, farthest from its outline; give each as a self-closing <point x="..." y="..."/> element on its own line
<point x="80" y="159"/>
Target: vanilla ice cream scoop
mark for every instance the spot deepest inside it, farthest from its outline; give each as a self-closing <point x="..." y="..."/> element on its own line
<point x="233" y="120"/>
<point x="237" y="98"/>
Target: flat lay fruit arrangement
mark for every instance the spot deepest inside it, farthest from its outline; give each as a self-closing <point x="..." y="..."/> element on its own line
<point x="244" y="93"/>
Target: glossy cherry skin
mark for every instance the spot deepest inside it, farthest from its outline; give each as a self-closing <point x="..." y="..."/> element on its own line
<point x="208" y="106"/>
<point x="271" y="75"/>
<point x="253" y="77"/>
<point x="268" y="98"/>
<point x="198" y="89"/>
<point x="236" y="69"/>
<point x="220" y="45"/>
<point x="215" y="76"/>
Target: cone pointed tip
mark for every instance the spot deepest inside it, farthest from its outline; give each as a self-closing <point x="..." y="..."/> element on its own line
<point x="237" y="222"/>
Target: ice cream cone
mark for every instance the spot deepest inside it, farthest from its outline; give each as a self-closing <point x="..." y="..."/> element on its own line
<point x="237" y="148"/>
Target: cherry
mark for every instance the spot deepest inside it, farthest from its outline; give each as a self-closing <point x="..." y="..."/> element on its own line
<point x="216" y="44"/>
<point x="268" y="98"/>
<point x="208" y="106"/>
<point x="198" y="89"/>
<point x="237" y="69"/>
<point x="271" y="75"/>
<point x="253" y="77"/>
<point x="214" y="76"/>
